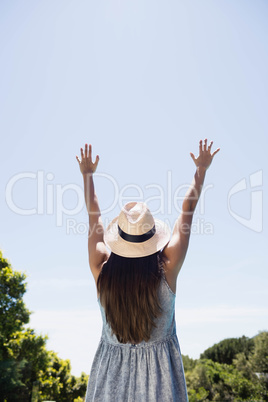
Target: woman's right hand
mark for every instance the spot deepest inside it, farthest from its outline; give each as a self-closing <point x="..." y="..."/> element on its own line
<point x="205" y="157"/>
<point x="85" y="163"/>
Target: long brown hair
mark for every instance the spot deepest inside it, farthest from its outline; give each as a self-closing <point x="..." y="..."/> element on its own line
<point x="128" y="289"/>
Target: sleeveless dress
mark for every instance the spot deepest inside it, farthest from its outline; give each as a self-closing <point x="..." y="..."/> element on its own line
<point x="149" y="371"/>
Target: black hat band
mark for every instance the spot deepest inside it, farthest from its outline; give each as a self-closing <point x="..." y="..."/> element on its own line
<point x="137" y="238"/>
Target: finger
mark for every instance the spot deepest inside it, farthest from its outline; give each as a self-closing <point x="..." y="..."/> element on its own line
<point x="205" y="144"/>
<point x="90" y="151"/>
<point x="200" y="146"/>
<point x="78" y="160"/>
<point x="86" y="151"/>
<point x="96" y="161"/>
<point x="192" y="156"/>
<point x="210" y="145"/>
<point x="214" y="153"/>
<point x="82" y="153"/>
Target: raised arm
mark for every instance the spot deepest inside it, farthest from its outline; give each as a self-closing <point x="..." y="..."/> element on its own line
<point x="175" y="251"/>
<point x="97" y="251"/>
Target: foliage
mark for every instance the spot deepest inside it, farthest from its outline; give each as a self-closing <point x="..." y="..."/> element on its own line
<point x="226" y="350"/>
<point x="188" y="363"/>
<point x="243" y="379"/>
<point x="13" y="313"/>
<point x="28" y="371"/>
<point x="11" y="384"/>
<point x="259" y="358"/>
<point x="56" y="383"/>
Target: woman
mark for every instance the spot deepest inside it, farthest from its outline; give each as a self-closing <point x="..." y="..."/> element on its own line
<point x="138" y="357"/>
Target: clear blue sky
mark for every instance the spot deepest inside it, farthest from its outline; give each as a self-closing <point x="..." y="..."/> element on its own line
<point x="143" y="82"/>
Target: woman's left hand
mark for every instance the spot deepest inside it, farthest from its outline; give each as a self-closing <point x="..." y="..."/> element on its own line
<point x="205" y="157"/>
<point x="86" y="165"/>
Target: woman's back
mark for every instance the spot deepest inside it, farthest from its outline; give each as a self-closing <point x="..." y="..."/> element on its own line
<point x="151" y="370"/>
<point x="147" y="371"/>
<point x="165" y="324"/>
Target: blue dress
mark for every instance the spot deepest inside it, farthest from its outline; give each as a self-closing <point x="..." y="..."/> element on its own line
<point x="149" y="371"/>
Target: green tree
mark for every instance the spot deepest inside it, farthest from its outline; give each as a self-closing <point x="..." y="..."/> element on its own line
<point x="13" y="312"/>
<point x="200" y="395"/>
<point x="212" y="381"/>
<point x="188" y="363"/>
<point x="11" y="384"/>
<point x="259" y="358"/>
<point x="24" y="359"/>
<point x="226" y="350"/>
<point x="57" y="383"/>
<point x="30" y="348"/>
<point x="13" y="315"/>
<point x="243" y="365"/>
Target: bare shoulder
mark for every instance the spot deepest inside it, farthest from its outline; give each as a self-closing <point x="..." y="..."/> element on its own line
<point x="175" y="251"/>
<point x="170" y="274"/>
<point x="99" y="258"/>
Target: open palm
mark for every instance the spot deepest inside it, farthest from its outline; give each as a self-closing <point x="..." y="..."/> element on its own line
<point x="205" y="157"/>
<point x="85" y="163"/>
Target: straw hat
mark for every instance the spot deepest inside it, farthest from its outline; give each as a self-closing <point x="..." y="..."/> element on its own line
<point x="135" y="233"/>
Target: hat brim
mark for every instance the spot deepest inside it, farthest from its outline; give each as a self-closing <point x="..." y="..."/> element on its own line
<point x="128" y="249"/>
